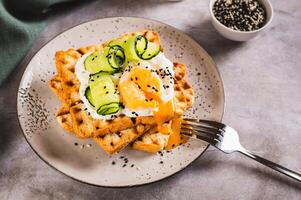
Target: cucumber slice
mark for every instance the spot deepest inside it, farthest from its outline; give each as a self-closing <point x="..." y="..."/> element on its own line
<point x="151" y="51"/>
<point x="108" y="109"/>
<point x="130" y="50"/>
<point x="103" y="93"/>
<point x="139" y="47"/>
<point x="88" y="95"/>
<point x="94" y="78"/>
<point x="140" y="44"/>
<point x="116" y="57"/>
<point x="98" y="61"/>
<point x="120" y="42"/>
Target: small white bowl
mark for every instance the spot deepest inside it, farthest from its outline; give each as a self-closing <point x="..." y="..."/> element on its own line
<point x="241" y="35"/>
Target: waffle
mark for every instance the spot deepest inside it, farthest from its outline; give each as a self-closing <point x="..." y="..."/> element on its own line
<point x="111" y="135"/>
<point x="152" y="141"/>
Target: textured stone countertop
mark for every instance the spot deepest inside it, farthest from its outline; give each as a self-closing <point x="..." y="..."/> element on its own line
<point x="262" y="81"/>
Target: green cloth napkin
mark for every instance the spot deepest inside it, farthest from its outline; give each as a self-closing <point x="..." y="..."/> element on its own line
<point x="20" y="23"/>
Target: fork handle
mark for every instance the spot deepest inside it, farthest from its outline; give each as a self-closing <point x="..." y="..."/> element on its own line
<point x="272" y="165"/>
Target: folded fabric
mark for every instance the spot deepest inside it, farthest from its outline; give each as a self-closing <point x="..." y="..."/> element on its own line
<point x="20" y="23"/>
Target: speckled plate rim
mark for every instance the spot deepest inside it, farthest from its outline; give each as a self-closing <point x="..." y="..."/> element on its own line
<point x="129" y="17"/>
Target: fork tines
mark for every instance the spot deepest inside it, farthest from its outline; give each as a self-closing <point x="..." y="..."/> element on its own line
<point x="209" y="131"/>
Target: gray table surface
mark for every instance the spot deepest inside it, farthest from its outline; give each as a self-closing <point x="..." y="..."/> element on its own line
<point x="262" y="81"/>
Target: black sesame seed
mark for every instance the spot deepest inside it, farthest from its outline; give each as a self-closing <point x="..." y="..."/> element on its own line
<point x="75" y="143"/>
<point x="113" y="163"/>
<point x="133" y="120"/>
<point x="161" y="162"/>
<point x="240" y="14"/>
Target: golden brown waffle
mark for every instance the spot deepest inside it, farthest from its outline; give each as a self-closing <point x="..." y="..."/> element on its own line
<point x="112" y="143"/>
<point x="111" y="135"/>
<point x="152" y="141"/>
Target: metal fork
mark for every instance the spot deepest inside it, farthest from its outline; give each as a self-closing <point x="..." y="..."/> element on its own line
<point x="226" y="139"/>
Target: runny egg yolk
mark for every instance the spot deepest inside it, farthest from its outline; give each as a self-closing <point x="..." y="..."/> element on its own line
<point x="164" y="113"/>
<point x="175" y="137"/>
<point x="141" y="89"/>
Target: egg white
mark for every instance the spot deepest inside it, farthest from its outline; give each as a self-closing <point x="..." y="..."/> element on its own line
<point x="159" y="62"/>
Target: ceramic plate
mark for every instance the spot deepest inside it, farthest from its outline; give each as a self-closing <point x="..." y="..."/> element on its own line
<point x="83" y="160"/>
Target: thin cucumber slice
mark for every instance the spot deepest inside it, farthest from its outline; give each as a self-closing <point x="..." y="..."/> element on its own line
<point x="138" y="47"/>
<point x="120" y="42"/>
<point x="108" y="109"/>
<point x="130" y="50"/>
<point x="151" y="51"/>
<point x="103" y="92"/>
<point x="98" y="61"/>
<point x="140" y="44"/>
<point x="94" y="78"/>
<point x="88" y="95"/>
<point x="116" y="57"/>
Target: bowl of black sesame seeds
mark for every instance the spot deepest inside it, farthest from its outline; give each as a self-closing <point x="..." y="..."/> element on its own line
<point x="240" y="20"/>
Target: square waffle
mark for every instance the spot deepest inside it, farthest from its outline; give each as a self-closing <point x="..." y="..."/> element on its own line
<point x="111" y="135"/>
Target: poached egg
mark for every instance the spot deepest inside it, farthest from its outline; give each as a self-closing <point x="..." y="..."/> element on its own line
<point x="145" y="88"/>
